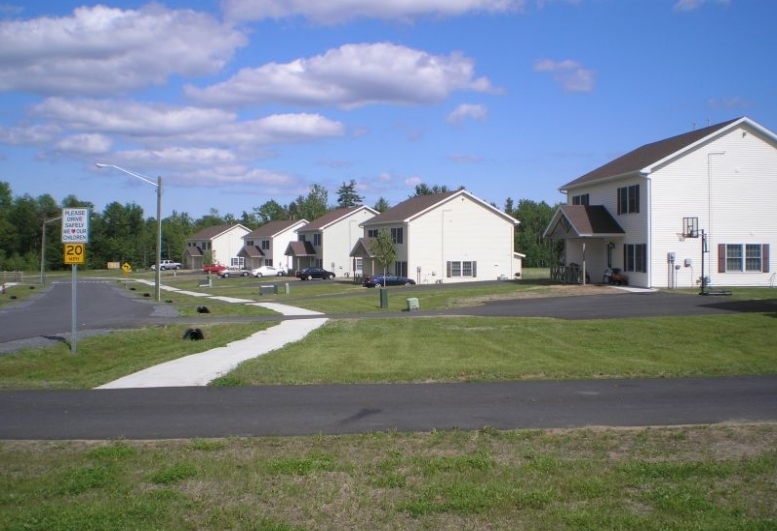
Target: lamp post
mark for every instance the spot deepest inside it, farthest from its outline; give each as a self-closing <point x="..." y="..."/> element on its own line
<point x="158" y="184"/>
<point x="43" y="250"/>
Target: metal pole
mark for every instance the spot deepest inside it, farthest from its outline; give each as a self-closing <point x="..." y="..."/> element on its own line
<point x="74" y="310"/>
<point x="43" y="256"/>
<point x="158" y="272"/>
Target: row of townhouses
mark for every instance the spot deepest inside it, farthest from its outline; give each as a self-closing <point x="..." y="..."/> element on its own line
<point x="695" y="206"/>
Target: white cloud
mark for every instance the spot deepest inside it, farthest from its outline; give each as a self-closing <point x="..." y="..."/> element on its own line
<point x="571" y="75"/>
<point x="338" y="11"/>
<point x="155" y="124"/>
<point x="412" y="182"/>
<point x="351" y="76"/>
<point x="86" y="144"/>
<point x="99" y="49"/>
<point x="467" y="110"/>
<point x="128" y="117"/>
<point x="29" y="134"/>
<point x="692" y="5"/>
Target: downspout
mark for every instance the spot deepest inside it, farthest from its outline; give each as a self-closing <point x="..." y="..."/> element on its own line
<point x="649" y="246"/>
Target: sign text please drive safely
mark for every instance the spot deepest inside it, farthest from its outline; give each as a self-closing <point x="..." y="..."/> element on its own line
<point x="75" y="225"/>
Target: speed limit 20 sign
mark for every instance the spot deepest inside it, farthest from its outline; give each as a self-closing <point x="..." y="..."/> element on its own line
<point x="74" y="253"/>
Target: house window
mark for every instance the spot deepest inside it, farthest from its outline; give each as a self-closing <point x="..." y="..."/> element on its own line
<point x="265" y="245"/>
<point x="748" y="257"/>
<point x="400" y="269"/>
<point x="358" y="263"/>
<point x="317" y="239"/>
<point x="580" y="199"/>
<point x="249" y="243"/>
<point x="628" y="200"/>
<point x="461" y="269"/>
<point x="238" y="262"/>
<point x="372" y="233"/>
<point x="635" y="257"/>
<point x="397" y="235"/>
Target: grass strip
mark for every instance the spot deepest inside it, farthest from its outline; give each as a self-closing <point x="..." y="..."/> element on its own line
<point x="712" y="478"/>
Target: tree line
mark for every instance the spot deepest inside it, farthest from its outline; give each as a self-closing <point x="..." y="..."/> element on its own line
<point x="122" y="233"/>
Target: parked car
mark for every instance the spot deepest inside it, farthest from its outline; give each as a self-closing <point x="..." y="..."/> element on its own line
<point x="234" y="272"/>
<point x="167" y="264"/>
<point x="315" y="272"/>
<point x="388" y="280"/>
<point x="266" y="271"/>
<point x="214" y="268"/>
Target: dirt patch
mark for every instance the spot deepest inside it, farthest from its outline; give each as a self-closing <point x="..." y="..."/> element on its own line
<point x="560" y="290"/>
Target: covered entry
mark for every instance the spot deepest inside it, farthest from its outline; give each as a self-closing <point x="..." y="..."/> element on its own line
<point x="590" y="234"/>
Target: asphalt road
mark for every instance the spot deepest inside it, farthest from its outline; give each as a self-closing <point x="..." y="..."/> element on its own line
<point x="47" y="316"/>
<point x="165" y="413"/>
<point x="300" y="410"/>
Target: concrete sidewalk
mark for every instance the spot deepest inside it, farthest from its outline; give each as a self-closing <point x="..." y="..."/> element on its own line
<point x="200" y="369"/>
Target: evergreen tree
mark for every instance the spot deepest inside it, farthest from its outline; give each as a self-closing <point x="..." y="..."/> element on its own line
<point x="347" y="196"/>
<point x="382" y="205"/>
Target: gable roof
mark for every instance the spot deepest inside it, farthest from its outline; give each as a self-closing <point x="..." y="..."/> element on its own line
<point x="362" y="248"/>
<point x="273" y="228"/>
<point x="299" y="248"/>
<point x="582" y="222"/>
<point x="251" y="251"/>
<point x="644" y="158"/>
<point x="333" y="216"/>
<point x="209" y="233"/>
<point x="416" y="206"/>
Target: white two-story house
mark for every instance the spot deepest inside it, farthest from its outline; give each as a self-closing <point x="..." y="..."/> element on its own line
<point x="700" y="204"/>
<point x="267" y="244"/>
<point x="220" y="243"/>
<point x="446" y="237"/>
<point x="327" y="241"/>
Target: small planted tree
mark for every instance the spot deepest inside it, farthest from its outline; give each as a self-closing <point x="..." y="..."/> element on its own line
<point x="382" y="248"/>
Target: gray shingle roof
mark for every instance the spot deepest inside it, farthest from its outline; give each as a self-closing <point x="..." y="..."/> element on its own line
<point x="582" y="221"/>
<point x="332" y="216"/>
<point x="409" y="208"/>
<point x="646" y="155"/>
<point x="272" y="228"/>
<point x="209" y="233"/>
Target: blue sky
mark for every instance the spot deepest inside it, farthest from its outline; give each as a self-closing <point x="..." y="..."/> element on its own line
<point x="237" y="102"/>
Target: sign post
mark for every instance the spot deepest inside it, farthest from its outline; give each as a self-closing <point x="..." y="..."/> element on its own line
<point x="75" y="234"/>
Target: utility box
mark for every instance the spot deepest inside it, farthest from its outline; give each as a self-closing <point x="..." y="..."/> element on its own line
<point x="383" y="297"/>
<point x="268" y="290"/>
<point x="412" y="304"/>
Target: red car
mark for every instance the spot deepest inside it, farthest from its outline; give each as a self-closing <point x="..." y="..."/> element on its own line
<point x="214" y="268"/>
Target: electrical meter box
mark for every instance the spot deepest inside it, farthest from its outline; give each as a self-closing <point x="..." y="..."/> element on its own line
<point x="670" y="257"/>
<point x="688" y="262"/>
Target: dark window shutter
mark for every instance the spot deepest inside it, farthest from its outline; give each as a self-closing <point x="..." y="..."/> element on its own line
<point x="618" y="200"/>
<point x="448" y="269"/>
<point x="765" y="258"/>
<point x="474" y="269"/>
<point x="636" y="208"/>
<point x="721" y="258"/>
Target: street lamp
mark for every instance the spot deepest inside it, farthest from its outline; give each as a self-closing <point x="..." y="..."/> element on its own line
<point x="43" y="250"/>
<point x="158" y="184"/>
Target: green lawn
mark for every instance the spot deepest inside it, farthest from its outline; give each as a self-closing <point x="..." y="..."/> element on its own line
<point x="718" y="478"/>
<point x="395" y="350"/>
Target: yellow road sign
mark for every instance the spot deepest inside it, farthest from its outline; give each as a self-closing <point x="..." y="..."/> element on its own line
<point x="126" y="268"/>
<point x="75" y="253"/>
